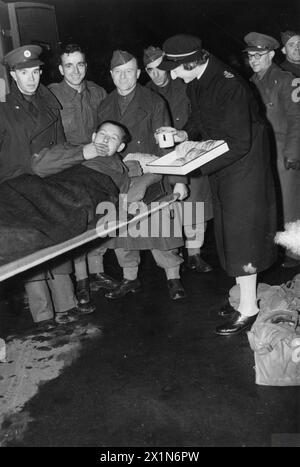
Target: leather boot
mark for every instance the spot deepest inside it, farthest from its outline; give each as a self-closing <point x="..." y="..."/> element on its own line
<point x="197" y="264"/>
<point x="102" y="281"/>
<point x="176" y="289"/>
<point x="124" y="288"/>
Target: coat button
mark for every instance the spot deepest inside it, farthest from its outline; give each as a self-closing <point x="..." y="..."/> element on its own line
<point x="138" y="142"/>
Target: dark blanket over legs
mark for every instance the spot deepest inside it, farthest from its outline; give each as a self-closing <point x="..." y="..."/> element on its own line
<point x="36" y="213"/>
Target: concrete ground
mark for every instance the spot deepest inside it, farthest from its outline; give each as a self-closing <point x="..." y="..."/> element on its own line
<point x="156" y="375"/>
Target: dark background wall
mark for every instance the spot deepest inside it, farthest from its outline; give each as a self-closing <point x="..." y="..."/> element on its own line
<point x="104" y="25"/>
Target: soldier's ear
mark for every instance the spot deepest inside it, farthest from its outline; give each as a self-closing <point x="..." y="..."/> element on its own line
<point x="283" y="50"/>
<point x="138" y="72"/>
<point x="61" y="70"/>
<point x="121" y="147"/>
<point x="272" y="53"/>
<point x="13" y="75"/>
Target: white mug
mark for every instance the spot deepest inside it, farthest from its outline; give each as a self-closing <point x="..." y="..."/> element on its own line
<point x="165" y="139"/>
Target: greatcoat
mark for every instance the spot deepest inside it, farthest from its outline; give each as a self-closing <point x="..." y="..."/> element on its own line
<point x="280" y="93"/>
<point x="223" y="108"/>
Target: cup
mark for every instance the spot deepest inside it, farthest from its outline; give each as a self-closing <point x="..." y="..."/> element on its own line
<point x="165" y="138"/>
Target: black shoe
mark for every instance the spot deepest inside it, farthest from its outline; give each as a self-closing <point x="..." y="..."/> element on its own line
<point x="176" y="289"/>
<point x="102" y="281"/>
<point x="66" y="317"/>
<point x="85" y="308"/>
<point x="289" y="262"/>
<point x="226" y="310"/>
<point x="197" y="264"/>
<point x="44" y="326"/>
<point x="124" y="287"/>
<point x="83" y="291"/>
<point x="237" y="324"/>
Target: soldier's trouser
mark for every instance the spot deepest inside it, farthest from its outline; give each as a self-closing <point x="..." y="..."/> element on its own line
<point x="42" y="303"/>
<point x="129" y="260"/>
<point x="80" y="267"/>
<point x="95" y="259"/>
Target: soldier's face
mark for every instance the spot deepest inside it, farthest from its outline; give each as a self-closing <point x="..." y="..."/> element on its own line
<point x="159" y="77"/>
<point x="125" y="76"/>
<point x="73" y="68"/>
<point x="186" y="75"/>
<point x="260" y="61"/>
<point x="109" y="138"/>
<point x="292" y="49"/>
<point x="27" y="79"/>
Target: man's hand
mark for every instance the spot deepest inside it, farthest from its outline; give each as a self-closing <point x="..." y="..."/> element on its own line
<point x="293" y="164"/>
<point x="178" y="135"/>
<point x="137" y="189"/>
<point x="90" y="151"/>
<point x="134" y="168"/>
<point x="102" y="149"/>
<point x="181" y="190"/>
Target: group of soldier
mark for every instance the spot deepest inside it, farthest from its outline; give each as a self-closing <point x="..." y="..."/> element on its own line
<point x="199" y="98"/>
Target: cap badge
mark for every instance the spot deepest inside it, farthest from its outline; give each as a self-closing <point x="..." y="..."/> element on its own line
<point x="227" y="74"/>
<point x="27" y="53"/>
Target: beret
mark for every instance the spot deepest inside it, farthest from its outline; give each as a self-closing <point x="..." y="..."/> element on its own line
<point x="287" y="35"/>
<point x="151" y="54"/>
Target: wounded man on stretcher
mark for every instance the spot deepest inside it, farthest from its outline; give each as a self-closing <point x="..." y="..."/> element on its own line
<point x="59" y="202"/>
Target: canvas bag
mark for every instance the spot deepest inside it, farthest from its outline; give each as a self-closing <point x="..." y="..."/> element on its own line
<point x="275" y="340"/>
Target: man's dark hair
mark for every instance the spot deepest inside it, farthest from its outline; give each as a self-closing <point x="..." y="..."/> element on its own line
<point x="200" y="61"/>
<point x="70" y="49"/>
<point x="126" y="138"/>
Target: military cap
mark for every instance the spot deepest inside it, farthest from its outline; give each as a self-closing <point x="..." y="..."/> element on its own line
<point x="120" y="57"/>
<point x="26" y="56"/>
<point x="151" y="54"/>
<point x="287" y="35"/>
<point x="257" y="42"/>
<point x="182" y="48"/>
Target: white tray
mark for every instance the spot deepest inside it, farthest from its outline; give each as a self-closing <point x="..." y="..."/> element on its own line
<point x="163" y="165"/>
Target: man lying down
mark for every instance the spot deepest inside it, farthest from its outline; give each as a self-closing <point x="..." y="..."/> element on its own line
<point x="59" y="202"/>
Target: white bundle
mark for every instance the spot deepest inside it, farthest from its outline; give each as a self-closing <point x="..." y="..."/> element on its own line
<point x="290" y="237"/>
<point x="142" y="158"/>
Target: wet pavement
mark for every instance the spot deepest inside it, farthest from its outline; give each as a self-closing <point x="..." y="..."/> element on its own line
<point x="157" y="375"/>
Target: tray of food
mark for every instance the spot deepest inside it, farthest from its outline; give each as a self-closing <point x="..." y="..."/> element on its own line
<point x="187" y="157"/>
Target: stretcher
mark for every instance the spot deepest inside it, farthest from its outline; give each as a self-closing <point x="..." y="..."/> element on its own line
<point x="27" y="262"/>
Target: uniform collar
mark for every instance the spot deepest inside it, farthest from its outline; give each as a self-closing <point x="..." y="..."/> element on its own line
<point x="70" y="92"/>
<point x="203" y="68"/>
<point x="267" y="73"/>
<point x="212" y="67"/>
